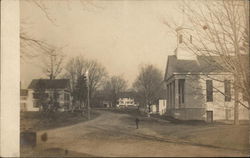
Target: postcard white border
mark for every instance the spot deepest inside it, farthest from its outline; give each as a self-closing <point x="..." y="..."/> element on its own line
<point x="10" y="79"/>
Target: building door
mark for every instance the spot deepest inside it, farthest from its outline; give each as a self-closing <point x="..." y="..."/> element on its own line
<point x="209" y="116"/>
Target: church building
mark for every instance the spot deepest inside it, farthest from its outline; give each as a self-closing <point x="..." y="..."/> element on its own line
<point x="198" y="88"/>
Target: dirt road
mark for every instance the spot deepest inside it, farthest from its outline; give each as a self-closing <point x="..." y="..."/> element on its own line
<point x="113" y="134"/>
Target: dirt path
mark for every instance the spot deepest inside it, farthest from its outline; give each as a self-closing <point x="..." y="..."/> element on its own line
<point x="113" y="134"/>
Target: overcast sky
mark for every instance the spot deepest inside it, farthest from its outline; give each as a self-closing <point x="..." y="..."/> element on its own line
<point x="121" y="35"/>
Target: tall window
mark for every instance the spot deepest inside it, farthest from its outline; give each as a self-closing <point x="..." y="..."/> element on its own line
<point x="180" y="38"/>
<point x="244" y="94"/>
<point x="191" y="39"/>
<point x="173" y="93"/>
<point x="181" y="84"/>
<point x="66" y="97"/>
<point x="170" y="94"/>
<point x="209" y="88"/>
<point x="227" y="86"/>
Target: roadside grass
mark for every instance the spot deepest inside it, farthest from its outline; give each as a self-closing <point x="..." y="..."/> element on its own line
<point x="131" y="111"/>
<point x="36" y="121"/>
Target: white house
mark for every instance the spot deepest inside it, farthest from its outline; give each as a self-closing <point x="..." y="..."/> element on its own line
<point x="126" y="99"/>
<point x="23" y="99"/>
<point x="126" y="102"/>
<point x="194" y="85"/>
<point x="159" y="108"/>
<point x="55" y="88"/>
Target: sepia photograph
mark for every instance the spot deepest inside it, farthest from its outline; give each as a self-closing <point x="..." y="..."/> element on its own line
<point x="134" y="78"/>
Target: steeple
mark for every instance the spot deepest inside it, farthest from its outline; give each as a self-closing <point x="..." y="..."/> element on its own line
<point x="184" y="39"/>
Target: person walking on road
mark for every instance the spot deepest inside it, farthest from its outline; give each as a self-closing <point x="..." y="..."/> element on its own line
<point x="137" y="122"/>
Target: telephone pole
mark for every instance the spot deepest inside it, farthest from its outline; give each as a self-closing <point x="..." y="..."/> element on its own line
<point x="88" y="105"/>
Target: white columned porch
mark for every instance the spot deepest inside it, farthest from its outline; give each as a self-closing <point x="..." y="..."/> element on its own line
<point x="172" y="95"/>
<point x="176" y="94"/>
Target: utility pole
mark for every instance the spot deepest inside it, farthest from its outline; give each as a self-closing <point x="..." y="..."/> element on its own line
<point x="88" y="105"/>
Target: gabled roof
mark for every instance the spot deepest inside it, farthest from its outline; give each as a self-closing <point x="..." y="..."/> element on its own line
<point x="49" y="84"/>
<point x="203" y="64"/>
<point x="23" y="92"/>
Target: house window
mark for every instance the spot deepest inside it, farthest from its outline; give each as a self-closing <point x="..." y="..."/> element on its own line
<point x="23" y="98"/>
<point x="37" y="95"/>
<point x="209" y="88"/>
<point x="181" y="90"/>
<point x="36" y="104"/>
<point x="66" y="97"/>
<point x="23" y="107"/>
<point x="180" y="38"/>
<point x="227" y="86"/>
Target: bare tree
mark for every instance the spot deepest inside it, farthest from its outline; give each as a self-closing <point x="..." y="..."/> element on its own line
<point x="148" y="84"/>
<point x="78" y="66"/>
<point x="97" y="75"/>
<point x="80" y="91"/>
<point x="113" y="87"/>
<point x="32" y="46"/>
<point x="74" y="69"/>
<point x="221" y="28"/>
<point x="52" y="63"/>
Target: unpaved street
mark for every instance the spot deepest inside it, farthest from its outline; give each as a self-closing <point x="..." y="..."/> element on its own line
<point x="113" y="134"/>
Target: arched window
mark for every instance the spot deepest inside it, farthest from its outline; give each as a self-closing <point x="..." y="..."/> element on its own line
<point x="180" y="38"/>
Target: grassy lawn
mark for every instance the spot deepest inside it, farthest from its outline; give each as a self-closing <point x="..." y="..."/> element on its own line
<point x="134" y="112"/>
<point x="218" y="134"/>
<point x="36" y="121"/>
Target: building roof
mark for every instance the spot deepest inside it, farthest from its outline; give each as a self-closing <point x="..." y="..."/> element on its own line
<point x="23" y="92"/>
<point x="203" y="64"/>
<point x="49" y="84"/>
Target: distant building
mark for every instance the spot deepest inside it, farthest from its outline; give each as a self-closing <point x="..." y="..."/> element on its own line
<point x="126" y="99"/>
<point x="125" y="102"/>
<point x="162" y="106"/>
<point x="153" y="109"/>
<point x="23" y="99"/>
<point x="194" y="85"/>
<point x="159" y="108"/>
<point x="55" y="89"/>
